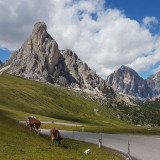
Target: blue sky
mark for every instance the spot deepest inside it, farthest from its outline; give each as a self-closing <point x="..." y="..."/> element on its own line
<point x="104" y="33"/>
<point x="138" y="9"/>
<point x="4" y="54"/>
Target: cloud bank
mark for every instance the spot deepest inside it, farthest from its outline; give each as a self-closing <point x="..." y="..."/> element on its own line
<point x="103" y="38"/>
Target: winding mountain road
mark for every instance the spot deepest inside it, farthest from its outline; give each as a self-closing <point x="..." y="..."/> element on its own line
<point x="59" y="123"/>
<point x="141" y="147"/>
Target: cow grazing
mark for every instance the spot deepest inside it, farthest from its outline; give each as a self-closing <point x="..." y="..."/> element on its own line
<point x="55" y="136"/>
<point x="33" y="123"/>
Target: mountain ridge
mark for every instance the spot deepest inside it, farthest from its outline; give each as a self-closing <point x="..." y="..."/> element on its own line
<point x="127" y="81"/>
<point x="154" y="83"/>
<point x="39" y="58"/>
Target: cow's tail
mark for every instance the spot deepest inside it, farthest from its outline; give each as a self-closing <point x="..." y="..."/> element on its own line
<point x="39" y="130"/>
<point x="34" y="127"/>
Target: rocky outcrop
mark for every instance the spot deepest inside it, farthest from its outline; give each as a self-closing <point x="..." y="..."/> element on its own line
<point x="1" y="63"/>
<point x="39" y="58"/>
<point x="154" y="83"/>
<point x="126" y="81"/>
<point x="86" y="78"/>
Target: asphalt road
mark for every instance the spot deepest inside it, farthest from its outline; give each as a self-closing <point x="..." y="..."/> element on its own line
<point x="141" y="147"/>
<point x="59" y="123"/>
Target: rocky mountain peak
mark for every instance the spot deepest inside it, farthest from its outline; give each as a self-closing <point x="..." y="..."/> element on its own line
<point x="39" y="35"/>
<point x="154" y="83"/>
<point x="38" y="56"/>
<point x="127" y="81"/>
<point x="40" y="59"/>
<point x="1" y="64"/>
<point x="72" y="55"/>
<point x="39" y="27"/>
<point x="124" y="69"/>
<point x="86" y="78"/>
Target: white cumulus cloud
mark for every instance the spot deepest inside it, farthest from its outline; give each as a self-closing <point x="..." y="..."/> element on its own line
<point x="103" y="38"/>
<point x="150" y="21"/>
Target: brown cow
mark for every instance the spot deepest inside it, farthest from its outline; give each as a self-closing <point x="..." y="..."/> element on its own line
<point x="55" y="136"/>
<point x="34" y="123"/>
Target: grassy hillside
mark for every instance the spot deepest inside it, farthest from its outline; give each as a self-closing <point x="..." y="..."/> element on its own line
<point x="153" y="111"/>
<point x="18" y="142"/>
<point x="23" y="96"/>
<point x="143" y="113"/>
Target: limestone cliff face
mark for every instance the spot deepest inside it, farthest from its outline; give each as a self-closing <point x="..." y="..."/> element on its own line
<point x="126" y="81"/>
<point x="1" y="63"/>
<point x="154" y="83"/>
<point x="86" y="78"/>
<point x="39" y="58"/>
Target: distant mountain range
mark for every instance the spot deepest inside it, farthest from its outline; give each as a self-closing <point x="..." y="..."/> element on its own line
<point x="127" y="81"/>
<point x="154" y="83"/>
<point x="40" y="59"/>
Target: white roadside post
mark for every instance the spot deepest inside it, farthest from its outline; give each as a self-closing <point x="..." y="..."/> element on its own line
<point x="129" y="156"/>
<point x="100" y="142"/>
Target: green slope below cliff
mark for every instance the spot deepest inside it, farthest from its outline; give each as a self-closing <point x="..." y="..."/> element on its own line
<point x="21" y="96"/>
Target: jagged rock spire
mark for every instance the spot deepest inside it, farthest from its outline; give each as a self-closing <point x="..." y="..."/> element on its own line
<point x="38" y="56"/>
<point x="39" y="34"/>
